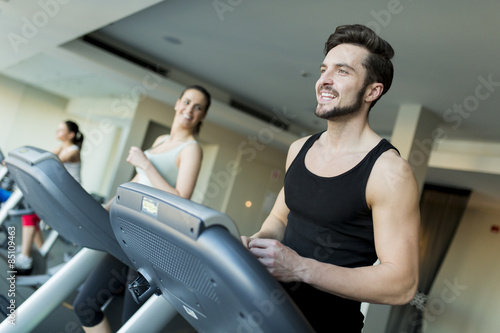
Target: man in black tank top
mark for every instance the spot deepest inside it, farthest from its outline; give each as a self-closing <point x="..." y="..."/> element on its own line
<point x="348" y="198"/>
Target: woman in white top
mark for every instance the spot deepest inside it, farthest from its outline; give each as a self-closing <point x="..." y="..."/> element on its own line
<point x="172" y="164"/>
<point x="68" y="152"/>
<point x="174" y="161"/>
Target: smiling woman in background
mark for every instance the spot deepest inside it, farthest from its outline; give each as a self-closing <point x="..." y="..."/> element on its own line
<point x="172" y="164"/>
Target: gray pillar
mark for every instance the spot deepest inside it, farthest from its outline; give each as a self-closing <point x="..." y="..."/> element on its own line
<point x="415" y="132"/>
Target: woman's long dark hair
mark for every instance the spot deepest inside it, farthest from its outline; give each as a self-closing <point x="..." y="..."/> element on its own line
<point x="78" y="138"/>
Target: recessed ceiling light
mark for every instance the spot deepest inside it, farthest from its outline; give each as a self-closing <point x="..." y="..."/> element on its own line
<point x="172" y="40"/>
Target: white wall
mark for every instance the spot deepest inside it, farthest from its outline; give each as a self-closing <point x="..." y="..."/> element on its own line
<point x="29" y="116"/>
<point x="105" y="130"/>
<point x="465" y="296"/>
<point x="257" y="183"/>
<point x="11" y="93"/>
<point x="242" y="171"/>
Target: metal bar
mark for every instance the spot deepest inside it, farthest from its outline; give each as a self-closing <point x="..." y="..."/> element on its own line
<point x="155" y="313"/>
<point x="52" y="293"/>
<point x="13" y="200"/>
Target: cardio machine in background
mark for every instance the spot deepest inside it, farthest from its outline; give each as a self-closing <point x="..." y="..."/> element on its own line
<point x="11" y="196"/>
<point x="16" y="206"/>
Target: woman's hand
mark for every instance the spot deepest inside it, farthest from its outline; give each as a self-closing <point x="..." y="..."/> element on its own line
<point x="137" y="158"/>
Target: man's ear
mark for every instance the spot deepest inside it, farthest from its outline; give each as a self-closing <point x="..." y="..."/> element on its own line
<point x="374" y="91"/>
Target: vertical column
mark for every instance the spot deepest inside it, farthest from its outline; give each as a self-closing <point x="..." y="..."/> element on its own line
<point x="415" y="132"/>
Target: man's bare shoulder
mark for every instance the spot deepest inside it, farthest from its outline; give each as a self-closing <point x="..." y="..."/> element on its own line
<point x="390" y="159"/>
<point x="392" y="173"/>
<point x="297" y="144"/>
<point x="294" y="149"/>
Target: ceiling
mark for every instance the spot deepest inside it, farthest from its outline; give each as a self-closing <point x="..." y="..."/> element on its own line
<point x="265" y="55"/>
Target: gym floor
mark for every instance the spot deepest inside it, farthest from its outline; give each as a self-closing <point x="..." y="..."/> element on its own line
<point x="63" y="319"/>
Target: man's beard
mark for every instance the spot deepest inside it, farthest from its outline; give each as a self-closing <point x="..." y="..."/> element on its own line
<point x="343" y="111"/>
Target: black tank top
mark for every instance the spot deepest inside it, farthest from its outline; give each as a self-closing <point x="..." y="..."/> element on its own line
<point x="330" y="221"/>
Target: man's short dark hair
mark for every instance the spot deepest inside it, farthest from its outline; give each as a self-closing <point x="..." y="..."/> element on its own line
<point x="378" y="64"/>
